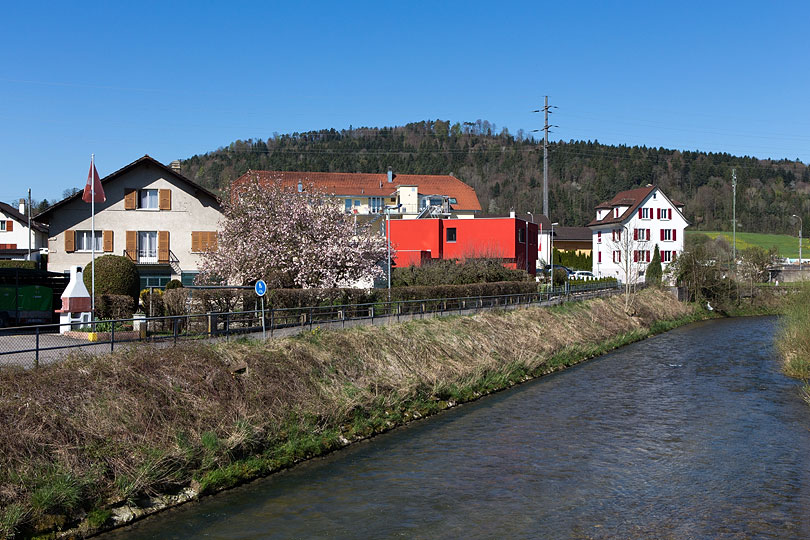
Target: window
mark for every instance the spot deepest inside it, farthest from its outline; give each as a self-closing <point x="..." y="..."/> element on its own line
<point x="617" y="256"/>
<point x="154" y="279"/>
<point x="375" y="204"/>
<point x="667" y="234"/>
<point x="641" y="255"/>
<point x="2" y="224"/>
<point x="202" y="241"/>
<point x="83" y="241"/>
<point x="147" y="246"/>
<point x="522" y="236"/>
<point x="187" y="278"/>
<point x="617" y="235"/>
<point x="599" y="237"/>
<point x="348" y="207"/>
<point x="666" y="256"/>
<point x="645" y="213"/>
<point x="641" y="234"/>
<point x="357" y="203"/>
<point x="450" y="234"/>
<point x="665" y="213"/>
<point x="148" y="199"/>
<point x="452" y="200"/>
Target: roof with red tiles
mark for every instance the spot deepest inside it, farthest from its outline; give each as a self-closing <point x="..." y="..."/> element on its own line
<point x="370" y="184"/>
<point x="631" y="198"/>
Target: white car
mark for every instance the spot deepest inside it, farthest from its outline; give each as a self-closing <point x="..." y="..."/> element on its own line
<point x="583" y="275"/>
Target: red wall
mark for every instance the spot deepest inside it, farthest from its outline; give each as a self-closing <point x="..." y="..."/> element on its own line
<point x="495" y="238"/>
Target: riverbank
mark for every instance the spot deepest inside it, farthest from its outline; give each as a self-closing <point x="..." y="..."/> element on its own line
<point x="99" y="439"/>
<point x="794" y="338"/>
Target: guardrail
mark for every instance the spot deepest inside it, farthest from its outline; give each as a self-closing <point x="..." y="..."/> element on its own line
<point x="33" y="346"/>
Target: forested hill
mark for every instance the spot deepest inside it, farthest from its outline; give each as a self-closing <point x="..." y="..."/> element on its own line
<point x="507" y="171"/>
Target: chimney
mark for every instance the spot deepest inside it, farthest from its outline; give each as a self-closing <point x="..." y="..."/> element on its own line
<point x="390" y="175"/>
<point x="512" y="214"/>
<point x="22" y="206"/>
<point x="175" y="165"/>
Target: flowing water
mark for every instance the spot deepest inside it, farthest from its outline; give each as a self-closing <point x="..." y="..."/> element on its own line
<point x="690" y="434"/>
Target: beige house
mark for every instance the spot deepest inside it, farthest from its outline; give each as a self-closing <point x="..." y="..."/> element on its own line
<point x="154" y="215"/>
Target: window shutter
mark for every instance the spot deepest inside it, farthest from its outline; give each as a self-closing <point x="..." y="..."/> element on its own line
<point x="599" y="237"/>
<point x="9" y="225"/>
<point x="673" y="256"/>
<point x="130" y="199"/>
<point x="163" y="246"/>
<point x="165" y="199"/>
<point x="196" y="244"/>
<point x="669" y="212"/>
<point x="108" y="240"/>
<point x="674" y="237"/>
<point x="635" y="255"/>
<point x="639" y="213"/>
<point x="635" y="234"/>
<point x="212" y="241"/>
<point x="648" y="255"/>
<point x="599" y="255"/>
<point x="132" y="245"/>
<point x="662" y="235"/>
<point x="70" y="241"/>
<point x="648" y="234"/>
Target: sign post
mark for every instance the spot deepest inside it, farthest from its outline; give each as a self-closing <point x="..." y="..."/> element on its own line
<point x="261" y="289"/>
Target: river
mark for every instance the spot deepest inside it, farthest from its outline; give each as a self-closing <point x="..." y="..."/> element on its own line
<point x="691" y="434"/>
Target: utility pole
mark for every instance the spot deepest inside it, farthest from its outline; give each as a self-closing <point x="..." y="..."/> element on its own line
<point x="546" y="125"/>
<point x="734" y="219"/>
<point x="545" y="160"/>
<point x="29" y="224"/>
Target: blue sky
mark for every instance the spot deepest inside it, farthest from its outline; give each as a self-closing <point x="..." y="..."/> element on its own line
<point x="174" y="79"/>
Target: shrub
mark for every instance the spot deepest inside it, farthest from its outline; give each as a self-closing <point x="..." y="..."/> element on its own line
<point x="454" y="272"/>
<point x="654" y="271"/>
<point x="29" y="265"/>
<point x="114" y="275"/>
<point x="152" y="302"/>
<point x="560" y="276"/>
<point x="114" y="306"/>
<point x="174" y="284"/>
<point x="174" y="301"/>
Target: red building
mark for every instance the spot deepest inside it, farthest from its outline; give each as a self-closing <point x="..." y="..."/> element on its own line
<point x="416" y="241"/>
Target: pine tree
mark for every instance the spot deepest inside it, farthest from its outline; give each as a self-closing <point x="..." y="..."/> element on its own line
<point x="654" y="269"/>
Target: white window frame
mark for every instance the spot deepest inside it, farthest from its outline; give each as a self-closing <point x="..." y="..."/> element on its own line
<point x="666" y="256"/>
<point x="667" y="235"/>
<point x="149" y="252"/>
<point x="646" y="213"/>
<point x="617" y="256"/>
<point x="83" y="241"/>
<point x="375" y="204"/>
<point x="145" y="196"/>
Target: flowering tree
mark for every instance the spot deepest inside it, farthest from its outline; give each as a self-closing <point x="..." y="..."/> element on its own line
<point x="290" y="239"/>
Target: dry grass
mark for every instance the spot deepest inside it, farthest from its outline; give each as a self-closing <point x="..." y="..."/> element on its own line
<point x="794" y="339"/>
<point x="151" y="420"/>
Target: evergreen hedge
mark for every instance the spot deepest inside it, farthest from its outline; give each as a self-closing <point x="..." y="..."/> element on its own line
<point x="114" y="275"/>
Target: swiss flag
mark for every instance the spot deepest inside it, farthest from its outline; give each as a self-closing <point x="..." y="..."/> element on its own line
<point x="94" y="190"/>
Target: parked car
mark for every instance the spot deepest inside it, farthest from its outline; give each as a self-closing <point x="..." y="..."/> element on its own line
<point x="583" y="275"/>
<point x="568" y="271"/>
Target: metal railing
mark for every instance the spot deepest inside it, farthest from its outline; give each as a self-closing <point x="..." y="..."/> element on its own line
<point x="33" y="346"/>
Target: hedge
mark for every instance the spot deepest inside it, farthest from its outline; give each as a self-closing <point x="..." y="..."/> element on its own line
<point x="114" y="306"/>
<point x="28" y="265"/>
<point x="114" y="275"/>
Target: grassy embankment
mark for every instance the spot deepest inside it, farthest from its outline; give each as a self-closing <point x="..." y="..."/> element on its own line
<point x="794" y="338"/>
<point x="90" y="434"/>
<point x="786" y="245"/>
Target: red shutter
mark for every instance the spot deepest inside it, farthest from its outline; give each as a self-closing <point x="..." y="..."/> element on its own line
<point x="670" y="213"/>
<point x="635" y="255"/>
<point x="639" y="213"/>
<point x="648" y="234"/>
<point x="648" y="255"/>
<point x="9" y="225"/>
<point x="672" y="258"/>
<point x="662" y="235"/>
<point x="635" y="234"/>
<point x="599" y="237"/>
<point x="674" y="237"/>
<point x="599" y="257"/>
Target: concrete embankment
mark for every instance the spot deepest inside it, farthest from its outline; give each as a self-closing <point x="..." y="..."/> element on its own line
<point x="96" y="440"/>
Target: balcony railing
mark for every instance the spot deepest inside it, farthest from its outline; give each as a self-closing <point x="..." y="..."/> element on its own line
<point x="150" y="257"/>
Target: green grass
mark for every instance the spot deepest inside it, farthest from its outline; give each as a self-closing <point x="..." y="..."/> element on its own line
<point x="787" y="246"/>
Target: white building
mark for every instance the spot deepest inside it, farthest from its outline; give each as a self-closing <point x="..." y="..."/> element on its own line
<point x="627" y="229"/>
<point x="154" y="215"/>
<point x="15" y="234"/>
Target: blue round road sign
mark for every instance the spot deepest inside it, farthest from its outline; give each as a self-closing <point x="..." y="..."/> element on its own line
<point x="260" y="287"/>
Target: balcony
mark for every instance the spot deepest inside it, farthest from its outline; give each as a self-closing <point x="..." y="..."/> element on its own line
<point x="151" y="257"/>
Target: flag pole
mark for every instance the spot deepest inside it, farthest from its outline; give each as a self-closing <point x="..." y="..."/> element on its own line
<point x="92" y="238"/>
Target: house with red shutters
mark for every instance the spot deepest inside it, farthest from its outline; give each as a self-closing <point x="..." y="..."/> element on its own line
<point x="16" y="237"/>
<point x="627" y="228"/>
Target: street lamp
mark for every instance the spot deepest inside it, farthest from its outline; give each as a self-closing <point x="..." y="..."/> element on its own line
<point x="388" y="209"/>
<point x="551" y="254"/>
<point x="800" y="244"/>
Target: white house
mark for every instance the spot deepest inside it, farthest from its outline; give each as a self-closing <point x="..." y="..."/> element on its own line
<point x="15" y="234"/>
<point x="154" y="215"/>
<point x="627" y="229"/>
